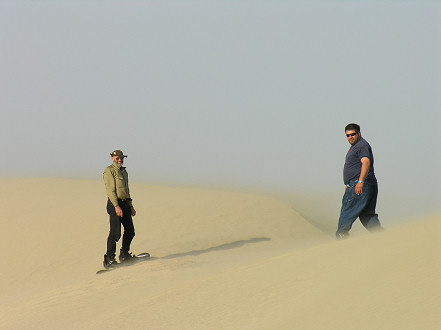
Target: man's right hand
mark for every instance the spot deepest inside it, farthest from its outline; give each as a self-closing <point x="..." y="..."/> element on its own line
<point x="118" y="211"/>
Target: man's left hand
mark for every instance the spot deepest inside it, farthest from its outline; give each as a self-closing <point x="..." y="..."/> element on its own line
<point x="133" y="212"/>
<point x="359" y="188"/>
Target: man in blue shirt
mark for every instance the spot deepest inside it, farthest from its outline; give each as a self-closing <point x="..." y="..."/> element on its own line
<point x="360" y="198"/>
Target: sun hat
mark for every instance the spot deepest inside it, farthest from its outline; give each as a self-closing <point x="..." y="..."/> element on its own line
<point x="118" y="153"/>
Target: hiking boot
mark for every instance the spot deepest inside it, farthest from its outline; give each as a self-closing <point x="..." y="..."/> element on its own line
<point x="125" y="256"/>
<point x="109" y="261"/>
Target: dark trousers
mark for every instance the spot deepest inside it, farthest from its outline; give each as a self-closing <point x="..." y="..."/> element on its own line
<point x="359" y="206"/>
<point x="115" y="227"/>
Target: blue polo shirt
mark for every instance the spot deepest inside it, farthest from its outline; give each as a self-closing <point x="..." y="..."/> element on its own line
<point x="352" y="168"/>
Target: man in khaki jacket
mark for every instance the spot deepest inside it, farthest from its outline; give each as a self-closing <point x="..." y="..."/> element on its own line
<point x="119" y="208"/>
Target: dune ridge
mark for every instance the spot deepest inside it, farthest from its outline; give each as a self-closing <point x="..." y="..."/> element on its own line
<point x="222" y="260"/>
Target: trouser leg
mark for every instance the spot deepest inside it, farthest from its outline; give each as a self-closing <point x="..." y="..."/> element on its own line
<point x="368" y="217"/>
<point x="352" y="207"/>
<point x="115" y="230"/>
<point x="129" y="229"/>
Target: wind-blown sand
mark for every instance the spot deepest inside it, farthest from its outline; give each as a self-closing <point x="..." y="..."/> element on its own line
<point x="222" y="260"/>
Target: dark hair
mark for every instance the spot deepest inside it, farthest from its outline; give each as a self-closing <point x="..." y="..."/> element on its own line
<point x="352" y="127"/>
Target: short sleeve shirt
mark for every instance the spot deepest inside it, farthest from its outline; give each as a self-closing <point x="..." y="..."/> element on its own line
<point x="352" y="168"/>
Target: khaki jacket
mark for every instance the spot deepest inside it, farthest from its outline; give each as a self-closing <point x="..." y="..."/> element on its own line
<point x="116" y="181"/>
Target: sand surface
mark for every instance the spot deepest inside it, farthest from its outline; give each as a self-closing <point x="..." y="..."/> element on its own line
<point x="221" y="260"/>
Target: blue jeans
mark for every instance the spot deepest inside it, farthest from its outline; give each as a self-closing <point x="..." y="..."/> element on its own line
<point x="359" y="206"/>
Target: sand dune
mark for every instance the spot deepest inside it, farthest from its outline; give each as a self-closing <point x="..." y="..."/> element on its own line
<point x="222" y="260"/>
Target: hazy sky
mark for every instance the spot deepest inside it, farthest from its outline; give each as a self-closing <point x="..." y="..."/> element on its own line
<point x="239" y="93"/>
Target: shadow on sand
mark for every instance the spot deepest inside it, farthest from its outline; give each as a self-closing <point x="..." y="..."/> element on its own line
<point x="227" y="246"/>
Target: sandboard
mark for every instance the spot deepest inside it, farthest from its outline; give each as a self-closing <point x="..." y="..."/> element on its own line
<point x="136" y="259"/>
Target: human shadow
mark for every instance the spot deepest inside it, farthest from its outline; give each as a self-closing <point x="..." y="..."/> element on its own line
<point x="227" y="246"/>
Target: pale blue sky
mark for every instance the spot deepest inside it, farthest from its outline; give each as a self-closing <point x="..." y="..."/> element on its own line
<point x="235" y="93"/>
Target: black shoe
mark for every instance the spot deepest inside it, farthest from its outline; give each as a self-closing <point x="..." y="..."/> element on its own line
<point x="125" y="256"/>
<point x="109" y="262"/>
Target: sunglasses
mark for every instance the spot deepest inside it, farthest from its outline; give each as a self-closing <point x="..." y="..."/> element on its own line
<point x="352" y="134"/>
